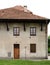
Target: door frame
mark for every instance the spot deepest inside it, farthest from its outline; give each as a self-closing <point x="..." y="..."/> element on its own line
<point x="19" y="50"/>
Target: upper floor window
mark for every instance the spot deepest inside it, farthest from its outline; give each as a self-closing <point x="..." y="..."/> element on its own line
<point x="16" y="31"/>
<point x="32" y="31"/>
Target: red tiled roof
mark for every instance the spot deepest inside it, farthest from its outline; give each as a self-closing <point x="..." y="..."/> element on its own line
<point x="18" y="12"/>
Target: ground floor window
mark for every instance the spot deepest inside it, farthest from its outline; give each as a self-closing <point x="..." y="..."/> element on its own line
<point x="32" y="48"/>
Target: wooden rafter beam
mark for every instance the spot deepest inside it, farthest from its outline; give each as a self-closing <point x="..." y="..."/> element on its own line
<point x="41" y="26"/>
<point x="7" y="26"/>
<point x="46" y="27"/>
<point x="24" y="27"/>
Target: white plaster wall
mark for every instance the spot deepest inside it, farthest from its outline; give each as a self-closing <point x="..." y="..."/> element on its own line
<point x="7" y="40"/>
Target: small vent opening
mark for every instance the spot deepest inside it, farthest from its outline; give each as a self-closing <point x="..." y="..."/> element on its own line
<point x="9" y="54"/>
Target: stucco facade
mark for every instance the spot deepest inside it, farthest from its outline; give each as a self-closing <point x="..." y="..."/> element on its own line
<point x="7" y="41"/>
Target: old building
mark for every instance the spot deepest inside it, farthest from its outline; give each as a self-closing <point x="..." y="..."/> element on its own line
<point x="22" y="34"/>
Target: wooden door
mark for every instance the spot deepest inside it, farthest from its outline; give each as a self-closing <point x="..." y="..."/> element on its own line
<point x="16" y="51"/>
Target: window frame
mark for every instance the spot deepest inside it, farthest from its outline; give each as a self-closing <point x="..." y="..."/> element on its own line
<point x="34" y="34"/>
<point x="16" y="31"/>
<point x="33" y="51"/>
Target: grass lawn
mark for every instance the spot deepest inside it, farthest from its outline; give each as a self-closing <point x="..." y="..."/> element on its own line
<point x="23" y="62"/>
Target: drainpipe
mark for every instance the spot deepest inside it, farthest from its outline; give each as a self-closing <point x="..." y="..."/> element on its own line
<point x="46" y="42"/>
<point x="25" y="52"/>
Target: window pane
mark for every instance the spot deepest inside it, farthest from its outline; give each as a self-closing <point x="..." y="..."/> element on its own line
<point x="31" y="29"/>
<point x="34" y="30"/>
<point x="17" y="30"/>
<point x="14" y="29"/>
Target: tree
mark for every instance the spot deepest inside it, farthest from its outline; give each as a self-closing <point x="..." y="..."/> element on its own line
<point x="48" y="37"/>
<point x="48" y="44"/>
<point x="48" y="41"/>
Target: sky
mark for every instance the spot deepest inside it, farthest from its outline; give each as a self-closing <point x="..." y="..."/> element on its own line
<point x="38" y="7"/>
